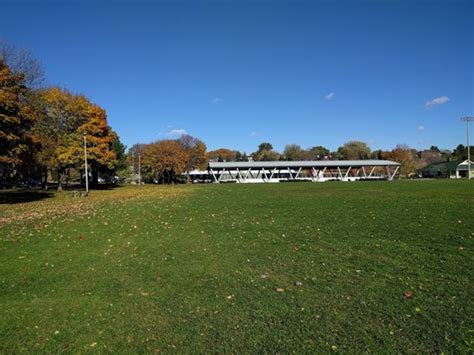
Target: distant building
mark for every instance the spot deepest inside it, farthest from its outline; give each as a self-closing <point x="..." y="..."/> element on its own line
<point x="461" y="169"/>
<point x="445" y="169"/>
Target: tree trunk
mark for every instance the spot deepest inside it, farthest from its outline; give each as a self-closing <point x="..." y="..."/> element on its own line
<point x="44" y="183"/>
<point x="60" y="188"/>
<point x="95" y="177"/>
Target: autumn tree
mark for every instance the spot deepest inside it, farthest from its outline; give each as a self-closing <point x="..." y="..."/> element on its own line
<point x="65" y="120"/>
<point x="406" y="157"/>
<point x="222" y="154"/>
<point x="100" y="140"/>
<point x="164" y="160"/>
<point x="16" y="120"/>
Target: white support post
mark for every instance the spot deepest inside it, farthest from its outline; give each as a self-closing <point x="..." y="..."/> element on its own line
<point x="239" y="175"/>
<point x="221" y="174"/>
<point x="273" y="172"/>
<point x="347" y="172"/>
<point x="289" y="172"/>
<point x="372" y="171"/>
<point x="214" y="176"/>
<point x="298" y="173"/>
<point x="393" y="175"/>
<point x="247" y="174"/>
<point x="363" y="170"/>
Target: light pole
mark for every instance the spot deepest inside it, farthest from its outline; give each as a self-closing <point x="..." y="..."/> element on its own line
<point x="468" y="120"/>
<point x="139" y="168"/>
<point x="85" y="163"/>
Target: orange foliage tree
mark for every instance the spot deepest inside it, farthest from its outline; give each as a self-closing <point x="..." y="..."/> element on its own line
<point x="16" y="120"/>
<point x="164" y="160"/>
<point x="222" y="154"/>
<point x="406" y="157"/>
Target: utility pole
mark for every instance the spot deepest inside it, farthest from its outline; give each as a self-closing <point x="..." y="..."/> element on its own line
<point x="85" y="164"/>
<point x="468" y="120"/>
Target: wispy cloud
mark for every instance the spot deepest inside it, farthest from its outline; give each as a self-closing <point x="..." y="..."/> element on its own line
<point x="175" y="133"/>
<point x="437" y="101"/>
<point x="420" y="128"/>
<point x="216" y="100"/>
<point x="329" y="96"/>
<point x="253" y="134"/>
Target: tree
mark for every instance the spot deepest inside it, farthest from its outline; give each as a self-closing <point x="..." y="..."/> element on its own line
<point x="61" y="127"/>
<point x="293" y="152"/>
<point x="406" y="157"/>
<point x="164" y="160"/>
<point x="195" y="151"/>
<point x="16" y="120"/>
<point x="377" y="154"/>
<point x="100" y="139"/>
<point x="318" y="153"/>
<point x="354" y="150"/>
<point x="265" y="152"/>
<point x="119" y="149"/>
<point x="222" y="154"/>
<point x="460" y="153"/>
<point x="21" y="61"/>
<point x="265" y="146"/>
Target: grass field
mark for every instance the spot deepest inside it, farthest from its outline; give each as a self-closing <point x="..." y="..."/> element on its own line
<point x="272" y="268"/>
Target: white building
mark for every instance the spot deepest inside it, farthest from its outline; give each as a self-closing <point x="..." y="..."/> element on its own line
<point x="461" y="169"/>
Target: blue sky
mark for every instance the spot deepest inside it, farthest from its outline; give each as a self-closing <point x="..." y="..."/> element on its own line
<point x="236" y="73"/>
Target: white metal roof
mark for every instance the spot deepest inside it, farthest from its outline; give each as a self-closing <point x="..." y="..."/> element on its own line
<point x="298" y="164"/>
<point x="463" y="166"/>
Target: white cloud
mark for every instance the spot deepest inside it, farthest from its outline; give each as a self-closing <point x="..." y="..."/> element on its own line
<point x="253" y="134"/>
<point x="175" y="133"/>
<point x="329" y="96"/>
<point x="437" y="101"/>
<point x="216" y="100"/>
<point x="420" y="128"/>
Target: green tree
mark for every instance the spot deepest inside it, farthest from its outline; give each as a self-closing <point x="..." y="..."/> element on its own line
<point x="265" y="152"/>
<point x="354" y="150"/>
<point x="294" y="152"/>
<point x="318" y="153"/>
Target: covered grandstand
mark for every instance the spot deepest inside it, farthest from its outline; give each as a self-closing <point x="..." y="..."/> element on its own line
<point x="315" y="171"/>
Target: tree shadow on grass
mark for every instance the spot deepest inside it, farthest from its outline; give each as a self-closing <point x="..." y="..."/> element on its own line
<point x="21" y="196"/>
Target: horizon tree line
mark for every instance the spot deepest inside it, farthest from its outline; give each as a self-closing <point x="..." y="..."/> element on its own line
<point x="42" y="129"/>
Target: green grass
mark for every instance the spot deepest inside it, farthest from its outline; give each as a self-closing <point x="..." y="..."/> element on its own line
<point x="202" y="269"/>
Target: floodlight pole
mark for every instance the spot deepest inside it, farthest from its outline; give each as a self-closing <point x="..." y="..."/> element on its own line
<point x="139" y="170"/>
<point x="85" y="163"/>
<point x="468" y="120"/>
